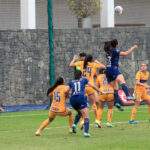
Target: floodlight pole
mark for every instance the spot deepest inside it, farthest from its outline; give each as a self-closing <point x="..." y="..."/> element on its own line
<point x="51" y="61"/>
<point x="51" y="53"/>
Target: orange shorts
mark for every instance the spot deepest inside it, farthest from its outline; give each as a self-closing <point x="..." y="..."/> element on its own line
<point x="141" y="95"/>
<point x="106" y="97"/>
<point x="89" y="90"/>
<point x="52" y="114"/>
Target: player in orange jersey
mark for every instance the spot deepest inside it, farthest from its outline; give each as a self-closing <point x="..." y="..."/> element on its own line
<point x="58" y="106"/>
<point x="88" y="69"/>
<point x="141" y="90"/>
<point x="106" y="95"/>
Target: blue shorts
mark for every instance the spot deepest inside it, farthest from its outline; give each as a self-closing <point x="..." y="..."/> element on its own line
<point x="78" y="102"/>
<point x="112" y="73"/>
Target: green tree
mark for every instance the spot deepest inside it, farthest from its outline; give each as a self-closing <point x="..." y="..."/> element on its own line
<point x="83" y="8"/>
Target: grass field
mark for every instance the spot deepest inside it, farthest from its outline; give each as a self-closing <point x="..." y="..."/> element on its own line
<point x="17" y="132"/>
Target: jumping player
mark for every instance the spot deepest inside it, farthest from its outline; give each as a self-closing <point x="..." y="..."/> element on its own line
<point x="58" y="106"/>
<point x="113" y="74"/>
<point x="88" y="69"/>
<point x="141" y="90"/>
<point x="106" y="95"/>
<point x="78" y="100"/>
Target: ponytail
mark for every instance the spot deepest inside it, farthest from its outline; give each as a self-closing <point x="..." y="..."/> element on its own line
<point x="88" y="58"/>
<point x="107" y="47"/>
<point x="59" y="81"/>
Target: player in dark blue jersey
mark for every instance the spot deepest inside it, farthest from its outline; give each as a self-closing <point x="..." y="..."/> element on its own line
<point x="113" y="74"/>
<point x="78" y="100"/>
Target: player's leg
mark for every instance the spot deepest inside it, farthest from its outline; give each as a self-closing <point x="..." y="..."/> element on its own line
<point x="91" y="94"/>
<point x="70" y="114"/>
<point x="148" y="103"/>
<point x="133" y="113"/>
<point x="85" y="114"/>
<point x="1" y="109"/>
<point x="102" y="103"/>
<point x="120" y="79"/>
<point x="45" y="123"/>
<point x="110" y="105"/>
<point x="114" y="84"/>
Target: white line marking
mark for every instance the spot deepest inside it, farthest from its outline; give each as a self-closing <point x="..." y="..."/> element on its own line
<point x="60" y="127"/>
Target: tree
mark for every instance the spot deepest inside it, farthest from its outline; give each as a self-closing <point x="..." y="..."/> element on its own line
<point x="83" y="8"/>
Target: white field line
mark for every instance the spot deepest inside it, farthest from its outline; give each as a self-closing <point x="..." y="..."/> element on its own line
<point x="60" y="127"/>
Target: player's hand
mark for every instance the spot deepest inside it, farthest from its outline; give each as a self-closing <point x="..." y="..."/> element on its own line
<point x="135" y="46"/>
<point x="75" y="57"/>
<point x="96" y="61"/>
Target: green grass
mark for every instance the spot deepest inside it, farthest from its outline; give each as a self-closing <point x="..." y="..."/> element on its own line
<point x="17" y="132"/>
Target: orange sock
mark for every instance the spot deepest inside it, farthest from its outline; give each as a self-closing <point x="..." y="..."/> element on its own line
<point x="70" y="120"/>
<point x="44" y="124"/>
<point x="133" y="113"/>
<point x="149" y="110"/>
<point x="94" y="108"/>
<point x="110" y="114"/>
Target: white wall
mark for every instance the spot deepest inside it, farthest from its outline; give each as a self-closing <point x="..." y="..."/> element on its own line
<point x="135" y="12"/>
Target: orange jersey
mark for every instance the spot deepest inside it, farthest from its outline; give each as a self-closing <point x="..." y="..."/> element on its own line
<point x="59" y="99"/>
<point x="90" y="71"/>
<point x="103" y="85"/>
<point x="142" y="78"/>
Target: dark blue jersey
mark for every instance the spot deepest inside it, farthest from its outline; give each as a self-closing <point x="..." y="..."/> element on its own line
<point x="113" y="59"/>
<point x="78" y="86"/>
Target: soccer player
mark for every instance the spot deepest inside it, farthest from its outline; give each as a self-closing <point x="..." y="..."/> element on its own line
<point x="113" y="74"/>
<point x="88" y="69"/>
<point x="141" y="90"/>
<point x="58" y="106"/>
<point x="78" y="100"/>
<point x="106" y="95"/>
<point x="82" y="58"/>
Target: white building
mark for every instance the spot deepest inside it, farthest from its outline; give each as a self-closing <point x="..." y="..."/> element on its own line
<point x="12" y="14"/>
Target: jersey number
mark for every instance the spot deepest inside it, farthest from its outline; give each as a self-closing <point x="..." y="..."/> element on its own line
<point x="87" y="70"/>
<point x="77" y="87"/>
<point x="104" y="80"/>
<point x="57" y="96"/>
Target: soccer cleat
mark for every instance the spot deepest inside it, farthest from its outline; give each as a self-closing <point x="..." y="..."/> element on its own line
<point x="132" y="122"/>
<point x="87" y="135"/>
<point x="109" y="125"/>
<point x="98" y="123"/>
<point x="130" y="98"/>
<point x="82" y="124"/>
<point x="74" y="128"/>
<point x="37" y="133"/>
<point x="119" y="107"/>
<point x="70" y="131"/>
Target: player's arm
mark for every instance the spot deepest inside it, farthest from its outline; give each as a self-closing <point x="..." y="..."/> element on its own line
<point x="67" y="90"/>
<point x="94" y="87"/>
<point x="97" y="83"/>
<point x="99" y="65"/>
<point x="141" y="84"/>
<point x="128" y="51"/>
<point x="72" y="63"/>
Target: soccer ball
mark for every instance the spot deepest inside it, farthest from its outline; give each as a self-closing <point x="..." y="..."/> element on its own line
<point x="118" y="10"/>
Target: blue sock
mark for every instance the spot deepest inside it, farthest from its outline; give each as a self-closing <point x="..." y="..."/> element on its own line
<point x="77" y="118"/>
<point x="116" y="96"/>
<point x="125" y="89"/>
<point x="86" y="125"/>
